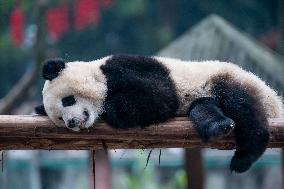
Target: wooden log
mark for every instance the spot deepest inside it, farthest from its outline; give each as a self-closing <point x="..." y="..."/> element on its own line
<point x="38" y="132"/>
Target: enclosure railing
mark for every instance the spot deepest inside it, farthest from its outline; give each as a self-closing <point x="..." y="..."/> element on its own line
<point x="38" y="132"/>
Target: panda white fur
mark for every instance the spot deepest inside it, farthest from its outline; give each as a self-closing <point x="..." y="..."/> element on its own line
<point x="128" y="91"/>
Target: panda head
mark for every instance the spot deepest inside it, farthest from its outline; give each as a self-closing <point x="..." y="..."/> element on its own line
<point x="73" y="93"/>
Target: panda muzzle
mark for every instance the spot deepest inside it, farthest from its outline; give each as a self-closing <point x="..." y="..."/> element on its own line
<point x="74" y="122"/>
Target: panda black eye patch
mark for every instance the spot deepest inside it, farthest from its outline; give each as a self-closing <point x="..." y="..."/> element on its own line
<point x="68" y="101"/>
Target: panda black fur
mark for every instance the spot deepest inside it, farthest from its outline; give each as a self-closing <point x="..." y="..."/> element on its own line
<point x="128" y="91"/>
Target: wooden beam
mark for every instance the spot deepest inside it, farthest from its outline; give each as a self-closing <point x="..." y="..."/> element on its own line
<point x="38" y="132"/>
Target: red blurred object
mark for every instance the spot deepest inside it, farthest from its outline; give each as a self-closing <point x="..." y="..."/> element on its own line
<point x="58" y="21"/>
<point x="87" y="13"/>
<point x="16" y="26"/>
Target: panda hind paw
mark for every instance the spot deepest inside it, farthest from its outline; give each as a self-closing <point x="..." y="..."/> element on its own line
<point x="240" y="164"/>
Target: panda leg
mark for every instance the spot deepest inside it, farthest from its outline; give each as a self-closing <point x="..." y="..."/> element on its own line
<point x="251" y="132"/>
<point x="209" y="119"/>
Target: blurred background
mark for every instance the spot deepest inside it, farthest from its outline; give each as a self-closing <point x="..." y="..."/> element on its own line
<point x="248" y="33"/>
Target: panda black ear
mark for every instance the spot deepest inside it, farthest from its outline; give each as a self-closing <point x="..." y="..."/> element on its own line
<point x="52" y="68"/>
<point x="40" y="110"/>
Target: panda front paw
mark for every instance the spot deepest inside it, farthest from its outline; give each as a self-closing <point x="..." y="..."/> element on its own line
<point x="214" y="130"/>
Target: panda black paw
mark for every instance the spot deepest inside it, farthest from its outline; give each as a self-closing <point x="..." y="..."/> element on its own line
<point x="217" y="129"/>
<point x="240" y="164"/>
<point x="40" y="110"/>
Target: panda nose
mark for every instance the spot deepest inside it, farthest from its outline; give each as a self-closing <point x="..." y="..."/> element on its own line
<point x="73" y="123"/>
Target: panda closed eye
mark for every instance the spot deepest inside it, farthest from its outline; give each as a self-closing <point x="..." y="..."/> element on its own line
<point x="68" y="101"/>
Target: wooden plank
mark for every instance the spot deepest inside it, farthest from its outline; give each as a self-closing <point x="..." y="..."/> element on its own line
<point x="38" y="132"/>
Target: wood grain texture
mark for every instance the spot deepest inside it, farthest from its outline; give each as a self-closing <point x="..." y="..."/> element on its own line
<point x="38" y="132"/>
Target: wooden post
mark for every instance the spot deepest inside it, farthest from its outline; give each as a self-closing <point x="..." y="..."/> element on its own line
<point x="194" y="168"/>
<point x="102" y="170"/>
<point x="92" y="163"/>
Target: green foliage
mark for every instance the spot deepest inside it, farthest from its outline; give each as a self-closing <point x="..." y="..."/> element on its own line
<point x="152" y="176"/>
<point x="12" y="64"/>
<point x="5" y="9"/>
<point x="147" y="180"/>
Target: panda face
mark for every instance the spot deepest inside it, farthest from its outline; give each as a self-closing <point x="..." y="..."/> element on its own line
<point x="77" y="112"/>
<point x="72" y="99"/>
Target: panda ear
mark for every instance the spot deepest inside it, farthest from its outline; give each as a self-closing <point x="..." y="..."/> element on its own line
<point x="40" y="110"/>
<point x="52" y="68"/>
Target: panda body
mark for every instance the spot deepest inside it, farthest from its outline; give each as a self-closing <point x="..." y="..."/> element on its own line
<point x="196" y="79"/>
<point x="129" y="91"/>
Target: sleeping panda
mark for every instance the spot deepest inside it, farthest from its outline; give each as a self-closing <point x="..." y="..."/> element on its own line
<point x="129" y="91"/>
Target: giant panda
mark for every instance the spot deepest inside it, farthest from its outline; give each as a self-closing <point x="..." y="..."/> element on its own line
<point x="136" y="91"/>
